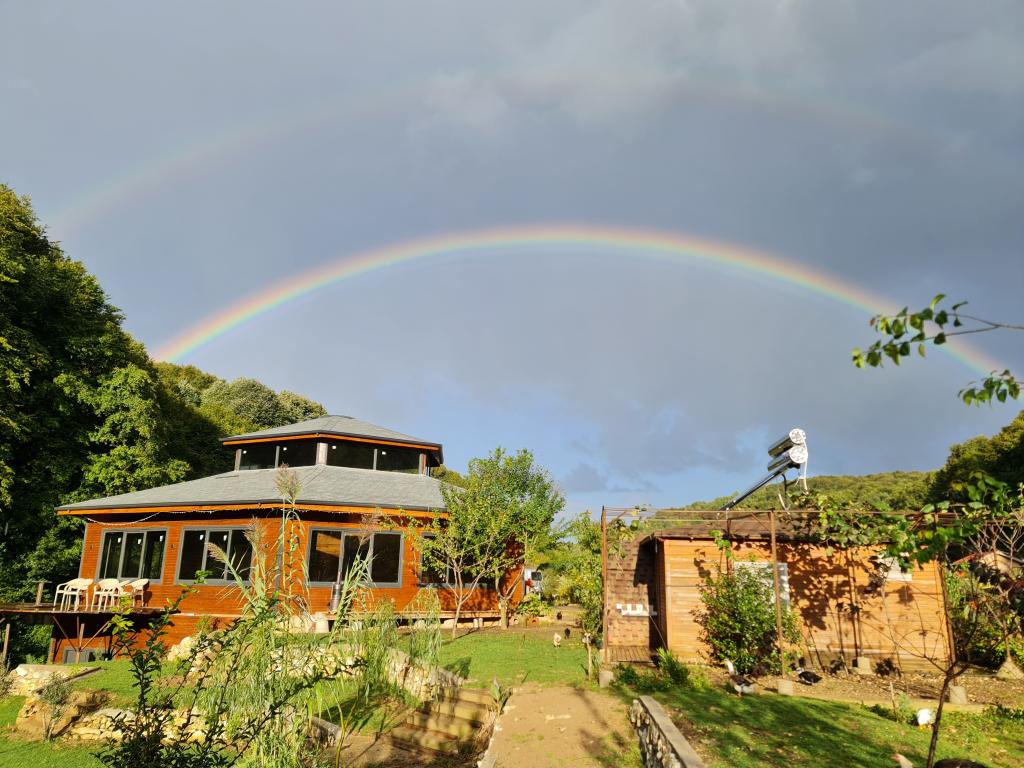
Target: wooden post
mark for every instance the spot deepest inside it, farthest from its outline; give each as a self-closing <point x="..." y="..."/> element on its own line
<point x="7" y="642"/>
<point x="39" y="593"/>
<point x="81" y="640"/>
<point x="604" y="588"/>
<point x="778" y="597"/>
<point x="53" y="649"/>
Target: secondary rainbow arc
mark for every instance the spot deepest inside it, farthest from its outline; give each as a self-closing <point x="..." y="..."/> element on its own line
<point x="642" y="243"/>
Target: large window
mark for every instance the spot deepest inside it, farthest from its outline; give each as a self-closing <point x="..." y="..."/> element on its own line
<point x="297" y="453"/>
<point x="344" y="454"/>
<point x="392" y="459"/>
<point x="333" y="553"/>
<point x="132" y="555"/>
<point x="196" y="556"/>
<point x="259" y="456"/>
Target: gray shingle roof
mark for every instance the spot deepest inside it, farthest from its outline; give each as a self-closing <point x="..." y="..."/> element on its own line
<point x="320" y="485"/>
<point x="344" y="426"/>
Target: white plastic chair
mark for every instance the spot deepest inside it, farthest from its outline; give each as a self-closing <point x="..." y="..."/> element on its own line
<point x="76" y="588"/>
<point x="107" y="591"/>
<point x="137" y="590"/>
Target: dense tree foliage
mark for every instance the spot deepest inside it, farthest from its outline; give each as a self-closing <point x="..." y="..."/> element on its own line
<point x="1001" y="456"/>
<point x="84" y="412"/>
<point x="572" y="569"/>
<point x="883" y="491"/>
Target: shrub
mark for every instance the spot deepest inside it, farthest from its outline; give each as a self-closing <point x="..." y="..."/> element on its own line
<point x="55" y="693"/>
<point x="532" y="605"/>
<point x="738" y="619"/>
<point x="672" y="668"/>
<point x="981" y="636"/>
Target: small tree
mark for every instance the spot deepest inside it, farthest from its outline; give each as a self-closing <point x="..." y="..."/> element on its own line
<point x="738" y="619"/>
<point x="506" y="507"/>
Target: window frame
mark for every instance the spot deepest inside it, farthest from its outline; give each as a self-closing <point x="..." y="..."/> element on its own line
<point x="341" y="560"/>
<point x="206" y="553"/>
<point x="142" y="558"/>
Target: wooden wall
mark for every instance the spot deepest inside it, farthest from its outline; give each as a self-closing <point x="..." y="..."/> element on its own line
<point x="840" y="611"/>
<point x="218" y="602"/>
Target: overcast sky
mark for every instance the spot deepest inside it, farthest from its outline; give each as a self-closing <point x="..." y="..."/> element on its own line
<point x="191" y="154"/>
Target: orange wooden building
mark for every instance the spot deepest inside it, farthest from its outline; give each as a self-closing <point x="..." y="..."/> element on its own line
<point x="848" y="602"/>
<point x="360" y="487"/>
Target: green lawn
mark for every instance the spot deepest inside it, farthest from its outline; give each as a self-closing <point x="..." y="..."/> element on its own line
<point x="771" y="730"/>
<point x="35" y="754"/>
<point x="515" y="656"/>
<point x="113" y="676"/>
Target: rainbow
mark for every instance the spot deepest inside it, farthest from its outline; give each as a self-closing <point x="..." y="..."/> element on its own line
<point x="645" y="243"/>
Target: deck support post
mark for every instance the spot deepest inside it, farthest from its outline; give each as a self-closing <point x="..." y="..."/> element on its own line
<point x="7" y="643"/>
<point x="81" y="640"/>
<point x="605" y="657"/>
<point x="778" y="597"/>
<point x="39" y="593"/>
<point x="53" y="649"/>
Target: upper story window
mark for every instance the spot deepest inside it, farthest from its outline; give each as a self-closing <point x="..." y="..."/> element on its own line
<point x="338" y="453"/>
<point x="385" y="458"/>
<point x="393" y="459"/>
<point x="297" y="453"/>
<point x="345" y="454"/>
<point x="132" y="555"/>
<point x="294" y="453"/>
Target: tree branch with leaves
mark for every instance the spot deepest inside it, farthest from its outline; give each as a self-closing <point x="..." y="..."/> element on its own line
<point x="906" y="331"/>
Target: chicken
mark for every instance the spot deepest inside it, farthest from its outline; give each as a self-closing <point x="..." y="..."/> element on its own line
<point x="807" y="677"/>
<point x="740" y="684"/>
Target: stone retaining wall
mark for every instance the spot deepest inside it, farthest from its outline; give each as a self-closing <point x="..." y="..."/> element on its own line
<point x="661" y="743"/>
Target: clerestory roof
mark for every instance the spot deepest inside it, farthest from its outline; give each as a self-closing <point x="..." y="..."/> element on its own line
<point x="338" y="426"/>
<point x="320" y="485"/>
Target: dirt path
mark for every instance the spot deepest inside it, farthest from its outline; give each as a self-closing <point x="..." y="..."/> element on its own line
<point x="558" y="727"/>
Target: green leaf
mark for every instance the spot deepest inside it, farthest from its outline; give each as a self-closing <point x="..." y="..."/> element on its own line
<point x="940" y="338"/>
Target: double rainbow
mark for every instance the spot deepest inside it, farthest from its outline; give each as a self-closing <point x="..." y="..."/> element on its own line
<point x="637" y="243"/>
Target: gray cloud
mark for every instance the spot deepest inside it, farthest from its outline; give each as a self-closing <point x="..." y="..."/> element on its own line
<point x="878" y="142"/>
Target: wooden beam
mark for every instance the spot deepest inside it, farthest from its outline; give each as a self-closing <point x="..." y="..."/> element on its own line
<point x="778" y="597"/>
<point x="7" y="643"/>
<point x="81" y="640"/>
<point x="39" y="592"/>
<point x="604" y="584"/>
<point x="257" y="506"/>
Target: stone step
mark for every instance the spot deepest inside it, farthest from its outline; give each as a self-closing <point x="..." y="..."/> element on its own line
<point x="468" y="695"/>
<point x="409" y="737"/>
<point x="476" y="713"/>
<point x="456" y="727"/>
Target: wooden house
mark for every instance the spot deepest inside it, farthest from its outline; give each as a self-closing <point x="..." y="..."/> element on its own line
<point x="849" y="603"/>
<point x="361" y="487"/>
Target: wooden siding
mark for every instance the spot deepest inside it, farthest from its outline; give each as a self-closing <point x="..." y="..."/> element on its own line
<point x="840" y="612"/>
<point x="218" y="603"/>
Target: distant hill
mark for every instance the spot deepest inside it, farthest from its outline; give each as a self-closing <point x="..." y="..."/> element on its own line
<point x="882" y="491"/>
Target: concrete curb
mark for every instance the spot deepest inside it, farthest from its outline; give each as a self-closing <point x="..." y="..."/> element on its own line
<point x="661" y="743"/>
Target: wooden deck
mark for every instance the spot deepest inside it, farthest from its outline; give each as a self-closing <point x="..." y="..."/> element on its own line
<point x="630" y="654"/>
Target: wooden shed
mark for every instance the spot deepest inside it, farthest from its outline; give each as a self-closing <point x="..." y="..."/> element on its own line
<point x="849" y="602"/>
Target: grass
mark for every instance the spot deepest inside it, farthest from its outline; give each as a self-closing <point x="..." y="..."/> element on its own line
<point x="771" y="730"/>
<point x="514" y="657"/>
<point x="37" y="754"/>
<point x="114" y="677"/>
